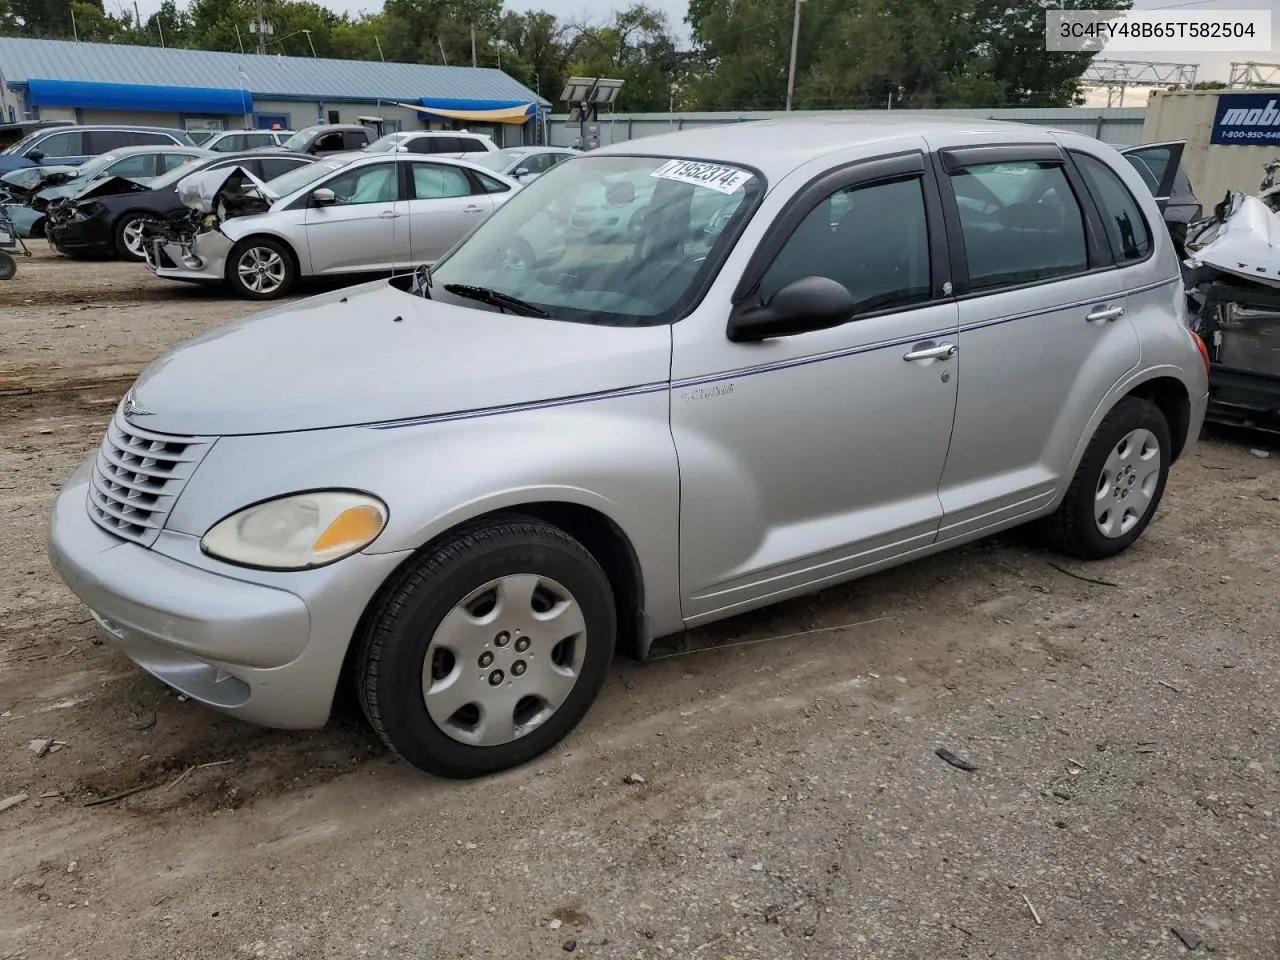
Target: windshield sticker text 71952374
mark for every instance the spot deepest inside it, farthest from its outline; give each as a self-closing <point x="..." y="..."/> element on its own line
<point x="716" y="176"/>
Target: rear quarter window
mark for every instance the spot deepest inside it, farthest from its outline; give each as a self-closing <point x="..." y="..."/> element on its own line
<point x="1127" y="229"/>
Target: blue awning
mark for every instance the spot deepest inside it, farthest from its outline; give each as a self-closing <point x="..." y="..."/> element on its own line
<point x="138" y="96"/>
<point x="453" y="105"/>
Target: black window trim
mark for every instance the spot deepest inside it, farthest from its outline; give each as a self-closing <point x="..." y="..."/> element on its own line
<point x="904" y="165"/>
<point x="1119" y="263"/>
<point x="477" y="183"/>
<point x="949" y="160"/>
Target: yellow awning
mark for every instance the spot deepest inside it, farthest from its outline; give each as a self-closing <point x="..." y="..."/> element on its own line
<point x="518" y="114"/>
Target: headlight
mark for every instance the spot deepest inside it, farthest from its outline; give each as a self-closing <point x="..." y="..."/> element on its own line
<point x="298" y="531"/>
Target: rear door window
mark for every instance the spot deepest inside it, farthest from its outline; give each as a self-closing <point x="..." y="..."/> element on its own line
<point x="275" y="166"/>
<point x="1020" y="221"/>
<point x="356" y="139"/>
<point x="470" y="145"/>
<point x="433" y="181"/>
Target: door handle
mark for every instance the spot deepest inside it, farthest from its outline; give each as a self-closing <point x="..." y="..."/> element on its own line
<point x="388" y="215"/>
<point x="939" y="351"/>
<point x="1105" y="313"/>
<point x="471" y="209"/>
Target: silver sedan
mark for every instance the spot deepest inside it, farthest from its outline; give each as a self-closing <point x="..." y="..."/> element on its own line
<point x="348" y="214"/>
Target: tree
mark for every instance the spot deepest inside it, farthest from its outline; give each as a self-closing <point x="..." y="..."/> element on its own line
<point x="636" y="47"/>
<point x="928" y="53"/>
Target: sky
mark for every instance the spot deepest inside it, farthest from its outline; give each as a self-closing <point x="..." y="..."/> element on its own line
<point x="1212" y="66"/>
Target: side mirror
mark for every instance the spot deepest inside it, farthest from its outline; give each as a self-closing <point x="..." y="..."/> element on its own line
<point x="35" y="156"/>
<point x="804" y="305"/>
<point x="322" y="197"/>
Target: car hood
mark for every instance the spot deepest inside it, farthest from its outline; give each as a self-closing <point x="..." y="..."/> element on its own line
<point x="374" y="353"/>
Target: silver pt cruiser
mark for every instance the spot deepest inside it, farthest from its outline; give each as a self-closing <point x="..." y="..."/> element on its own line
<point x="835" y="346"/>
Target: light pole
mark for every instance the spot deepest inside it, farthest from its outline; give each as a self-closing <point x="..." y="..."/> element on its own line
<point x="795" y="42"/>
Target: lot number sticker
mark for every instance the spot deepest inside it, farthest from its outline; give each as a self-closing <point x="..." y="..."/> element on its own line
<point x="720" y="178"/>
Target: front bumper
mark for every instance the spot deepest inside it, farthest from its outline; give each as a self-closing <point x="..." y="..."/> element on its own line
<point x="80" y="236"/>
<point x="259" y="652"/>
<point x="173" y="259"/>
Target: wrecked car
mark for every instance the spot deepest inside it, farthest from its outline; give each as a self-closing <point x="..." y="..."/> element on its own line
<point x="108" y="222"/>
<point x="343" y="215"/>
<point x="1232" y="276"/>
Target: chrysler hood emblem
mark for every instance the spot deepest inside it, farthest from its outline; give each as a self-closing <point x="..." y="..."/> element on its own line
<point x="132" y="408"/>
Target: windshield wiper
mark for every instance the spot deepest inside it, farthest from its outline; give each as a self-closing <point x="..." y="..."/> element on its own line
<point x="499" y="300"/>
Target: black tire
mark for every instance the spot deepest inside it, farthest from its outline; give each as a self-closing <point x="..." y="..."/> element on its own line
<point x="393" y="648"/>
<point x="1072" y="528"/>
<point x="8" y="266"/>
<point x="123" y="225"/>
<point x="243" y="249"/>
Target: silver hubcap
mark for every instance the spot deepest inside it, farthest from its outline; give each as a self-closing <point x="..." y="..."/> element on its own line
<point x="1127" y="484"/>
<point x="132" y="234"/>
<point x="504" y="659"/>
<point x="261" y="269"/>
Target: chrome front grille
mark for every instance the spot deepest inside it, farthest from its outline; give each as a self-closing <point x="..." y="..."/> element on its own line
<point x="137" y="478"/>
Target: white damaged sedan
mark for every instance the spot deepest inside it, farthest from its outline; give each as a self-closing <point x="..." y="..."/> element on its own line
<point x="348" y="214"/>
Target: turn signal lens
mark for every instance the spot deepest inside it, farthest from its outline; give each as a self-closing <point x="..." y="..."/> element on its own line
<point x="350" y="530"/>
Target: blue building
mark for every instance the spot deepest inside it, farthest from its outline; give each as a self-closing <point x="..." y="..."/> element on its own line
<point x="211" y="90"/>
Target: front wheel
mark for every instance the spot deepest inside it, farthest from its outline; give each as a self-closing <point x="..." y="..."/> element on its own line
<point x="1118" y="485"/>
<point x="485" y="653"/>
<point x="128" y="236"/>
<point x="261" y="268"/>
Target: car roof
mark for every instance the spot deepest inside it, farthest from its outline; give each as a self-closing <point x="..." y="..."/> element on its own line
<point x="129" y="127"/>
<point x="157" y="148"/>
<point x="776" y="147"/>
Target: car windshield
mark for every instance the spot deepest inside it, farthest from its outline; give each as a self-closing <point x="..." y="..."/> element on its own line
<point x="16" y="148"/>
<point x="499" y="160"/>
<point x="615" y="240"/>
<point x="308" y="173"/>
<point x="298" y="140"/>
<point x="386" y="144"/>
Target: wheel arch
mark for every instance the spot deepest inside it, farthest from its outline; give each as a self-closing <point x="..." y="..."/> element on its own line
<point x="599" y="533"/>
<point x="1172" y="399"/>
<point x="236" y="244"/>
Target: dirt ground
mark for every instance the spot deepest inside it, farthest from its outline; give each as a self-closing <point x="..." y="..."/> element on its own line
<point x="1125" y="801"/>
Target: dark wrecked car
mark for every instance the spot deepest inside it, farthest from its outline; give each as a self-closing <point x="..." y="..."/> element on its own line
<point x="1232" y="277"/>
<point x="108" y="219"/>
<point x="1160" y="166"/>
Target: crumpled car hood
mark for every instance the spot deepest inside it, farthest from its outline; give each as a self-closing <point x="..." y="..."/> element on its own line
<point x="1246" y="243"/>
<point x="202" y="191"/>
<point x="373" y="353"/>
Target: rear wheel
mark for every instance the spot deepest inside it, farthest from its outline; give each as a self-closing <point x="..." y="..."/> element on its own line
<point x="1118" y="485"/>
<point x="489" y="650"/>
<point x="261" y="268"/>
<point x="129" y="237"/>
<point x="8" y="266"/>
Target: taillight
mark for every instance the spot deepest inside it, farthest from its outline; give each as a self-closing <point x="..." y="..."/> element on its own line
<point x="1204" y="350"/>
